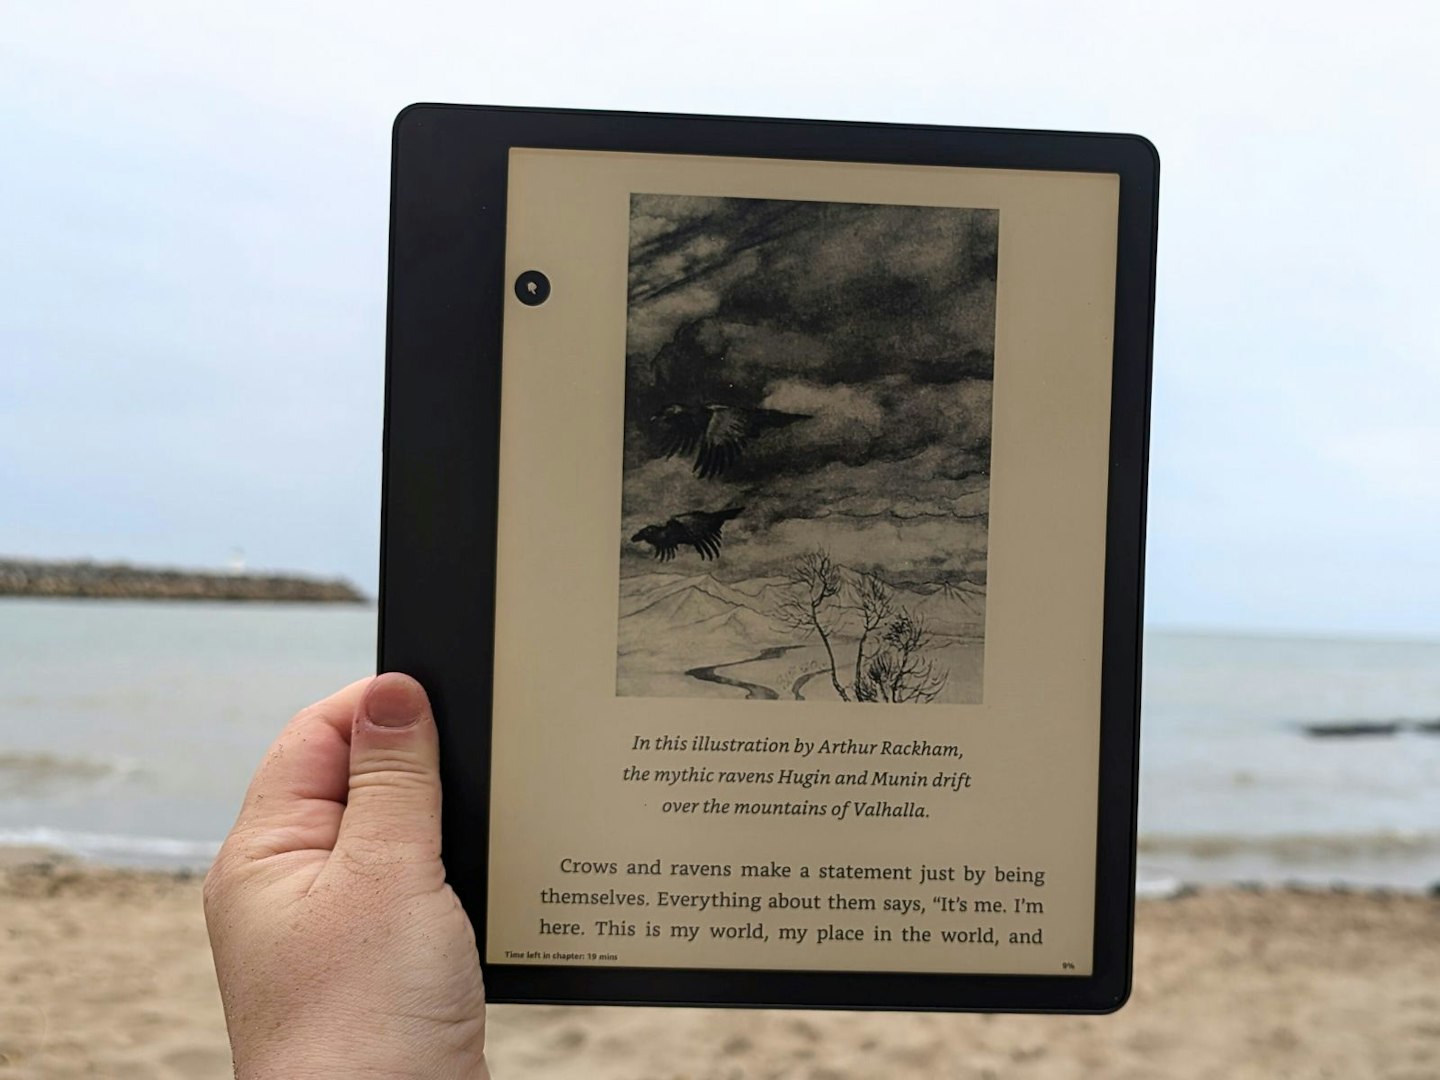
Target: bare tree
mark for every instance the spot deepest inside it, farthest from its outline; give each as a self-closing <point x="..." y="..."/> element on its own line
<point x="890" y="664"/>
<point x="899" y="672"/>
<point x="874" y="602"/>
<point x="815" y="583"/>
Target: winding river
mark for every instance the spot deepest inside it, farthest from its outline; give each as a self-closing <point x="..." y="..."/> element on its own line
<point x="755" y="691"/>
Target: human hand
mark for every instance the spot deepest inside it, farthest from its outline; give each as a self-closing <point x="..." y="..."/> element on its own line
<point x="340" y="949"/>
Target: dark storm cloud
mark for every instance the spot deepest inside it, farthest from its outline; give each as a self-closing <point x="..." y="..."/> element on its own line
<point x="889" y="419"/>
<point x="729" y="296"/>
<point x="736" y="293"/>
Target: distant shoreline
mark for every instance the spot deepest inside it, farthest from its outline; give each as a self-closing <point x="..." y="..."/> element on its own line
<point x="122" y="581"/>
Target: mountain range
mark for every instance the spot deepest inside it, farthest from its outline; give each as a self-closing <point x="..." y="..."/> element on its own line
<point x="656" y="608"/>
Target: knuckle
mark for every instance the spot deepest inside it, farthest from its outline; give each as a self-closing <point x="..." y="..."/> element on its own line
<point x="372" y="846"/>
<point x="373" y="854"/>
<point x="393" y="770"/>
<point x="382" y="833"/>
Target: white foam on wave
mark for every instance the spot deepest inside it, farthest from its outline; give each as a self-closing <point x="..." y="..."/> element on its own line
<point x="111" y="847"/>
<point x="37" y="767"/>
<point x="1294" y="847"/>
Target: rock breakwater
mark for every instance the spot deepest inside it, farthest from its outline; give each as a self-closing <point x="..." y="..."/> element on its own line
<point x="121" y="581"/>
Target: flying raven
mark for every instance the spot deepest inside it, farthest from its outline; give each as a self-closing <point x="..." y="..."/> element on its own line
<point x="699" y="528"/>
<point x="716" y="434"/>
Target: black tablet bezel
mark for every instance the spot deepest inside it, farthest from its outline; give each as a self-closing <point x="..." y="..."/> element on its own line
<point x="439" y="504"/>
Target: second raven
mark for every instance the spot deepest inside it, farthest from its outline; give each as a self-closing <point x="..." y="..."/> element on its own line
<point x="699" y="528"/>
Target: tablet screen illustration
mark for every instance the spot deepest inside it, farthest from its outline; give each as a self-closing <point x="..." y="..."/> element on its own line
<point x="806" y="457"/>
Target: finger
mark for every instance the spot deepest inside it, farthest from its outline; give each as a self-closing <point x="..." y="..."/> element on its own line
<point x="392" y="811"/>
<point x="298" y="793"/>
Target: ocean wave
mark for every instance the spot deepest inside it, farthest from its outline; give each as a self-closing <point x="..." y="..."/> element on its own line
<point x="1152" y="886"/>
<point x="1295" y="847"/>
<point x="29" y="772"/>
<point x="111" y="847"/>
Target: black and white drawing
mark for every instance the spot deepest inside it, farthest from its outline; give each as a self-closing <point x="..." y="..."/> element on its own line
<point x="807" y="450"/>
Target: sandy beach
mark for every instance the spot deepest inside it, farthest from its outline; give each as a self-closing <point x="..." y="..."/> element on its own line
<point x="106" y="973"/>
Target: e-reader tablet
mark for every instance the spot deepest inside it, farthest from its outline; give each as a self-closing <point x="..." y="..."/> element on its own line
<point x="764" y="513"/>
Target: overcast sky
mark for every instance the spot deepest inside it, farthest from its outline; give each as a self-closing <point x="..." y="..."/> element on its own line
<point x="193" y="230"/>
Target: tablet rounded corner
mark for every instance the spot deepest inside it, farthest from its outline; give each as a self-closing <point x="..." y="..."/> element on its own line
<point x="1145" y="151"/>
<point x="408" y="117"/>
<point x="1113" y="1003"/>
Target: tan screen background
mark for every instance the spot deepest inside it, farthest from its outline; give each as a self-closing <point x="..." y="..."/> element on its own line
<point x="562" y="738"/>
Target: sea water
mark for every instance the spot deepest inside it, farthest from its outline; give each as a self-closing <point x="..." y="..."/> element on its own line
<point x="128" y="731"/>
<point x="1233" y="788"/>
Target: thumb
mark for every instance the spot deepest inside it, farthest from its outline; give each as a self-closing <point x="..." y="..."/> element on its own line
<point x="392" y="811"/>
